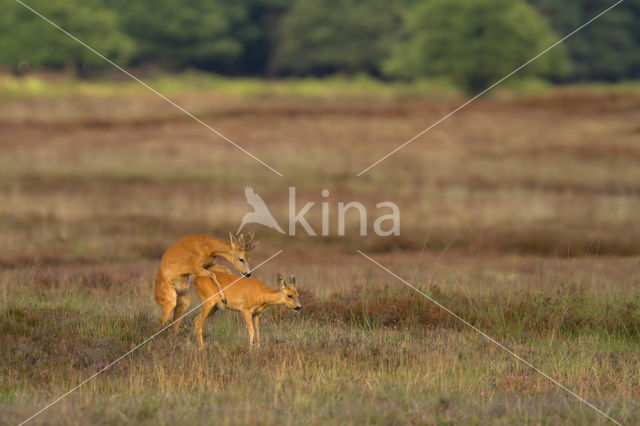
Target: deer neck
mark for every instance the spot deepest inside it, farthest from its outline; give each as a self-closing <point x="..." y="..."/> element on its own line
<point x="273" y="297"/>
<point x="222" y="250"/>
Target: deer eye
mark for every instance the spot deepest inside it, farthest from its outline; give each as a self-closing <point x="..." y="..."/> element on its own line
<point x="289" y="296"/>
<point x="241" y="260"/>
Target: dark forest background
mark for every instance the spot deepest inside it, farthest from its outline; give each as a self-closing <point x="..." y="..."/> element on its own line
<point x="469" y="41"/>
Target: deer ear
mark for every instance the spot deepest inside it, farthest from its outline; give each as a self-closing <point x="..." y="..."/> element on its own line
<point x="233" y="240"/>
<point x="280" y="280"/>
<point x="293" y="279"/>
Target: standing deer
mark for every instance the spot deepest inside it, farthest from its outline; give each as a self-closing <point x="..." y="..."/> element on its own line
<point x="192" y="256"/>
<point x="247" y="295"/>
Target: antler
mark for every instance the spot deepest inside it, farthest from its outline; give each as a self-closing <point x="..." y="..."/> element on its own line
<point x="248" y="242"/>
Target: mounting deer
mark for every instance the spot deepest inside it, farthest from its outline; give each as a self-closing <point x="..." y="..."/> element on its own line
<point x="247" y="295"/>
<point x="194" y="255"/>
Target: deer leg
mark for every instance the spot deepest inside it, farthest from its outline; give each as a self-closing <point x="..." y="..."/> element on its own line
<point x="168" y="303"/>
<point x="205" y="273"/>
<point x="190" y="279"/>
<point x="182" y="304"/>
<point x="208" y="309"/>
<point x="166" y="312"/>
<point x="165" y="297"/>
<point x="256" y="327"/>
<point x="249" y="321"/>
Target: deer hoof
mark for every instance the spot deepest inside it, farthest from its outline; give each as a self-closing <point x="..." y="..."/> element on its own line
<point x="224" y="301"/>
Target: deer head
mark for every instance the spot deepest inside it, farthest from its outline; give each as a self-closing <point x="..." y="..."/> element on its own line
<point x="290" y="295"/>
<point x="241" y="247"/>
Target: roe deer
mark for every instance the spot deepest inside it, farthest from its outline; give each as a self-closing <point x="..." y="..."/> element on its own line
<point x="247" y="295"/>
<point x="192" y="256"/>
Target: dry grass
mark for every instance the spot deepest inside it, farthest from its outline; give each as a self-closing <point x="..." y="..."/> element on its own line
<point x="366" y="354"/>
<point x="552" y="175"/>
<point x="520" y="214"/>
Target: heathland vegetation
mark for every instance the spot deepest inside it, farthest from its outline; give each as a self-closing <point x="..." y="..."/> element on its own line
<point x="520" y="215"/>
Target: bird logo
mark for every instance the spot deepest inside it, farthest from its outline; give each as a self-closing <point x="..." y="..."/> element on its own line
<point x="260" y="213"/>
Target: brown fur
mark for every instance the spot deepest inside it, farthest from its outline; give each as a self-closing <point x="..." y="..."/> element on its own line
<point x="247" y="295"/>
<point x="194" y="255"/>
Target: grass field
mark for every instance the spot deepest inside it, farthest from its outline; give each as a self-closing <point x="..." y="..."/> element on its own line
<point x="519" y="214"/>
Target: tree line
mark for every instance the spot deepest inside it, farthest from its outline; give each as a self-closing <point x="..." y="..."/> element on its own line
<point x="472" y="42"/>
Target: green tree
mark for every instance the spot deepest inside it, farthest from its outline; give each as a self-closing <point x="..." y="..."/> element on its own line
<point x="178" y="34"/>
<point x="475" y="42"/>
<point x="258" y="33"/>
<point x="25" y="37"/>
<point x="331" y="36"/>
<point x="609" y="48"/>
